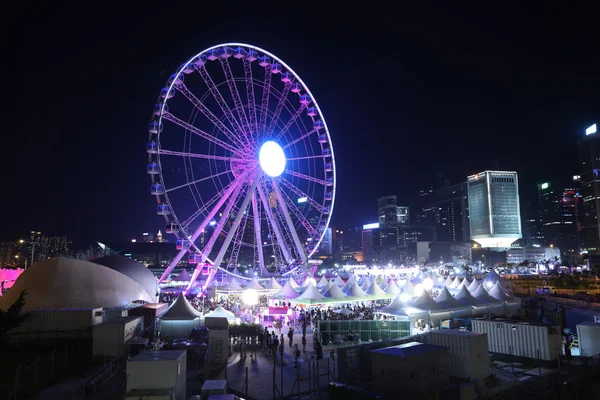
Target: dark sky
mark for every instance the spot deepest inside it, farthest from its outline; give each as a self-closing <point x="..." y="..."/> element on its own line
<point x="406" y="99"/>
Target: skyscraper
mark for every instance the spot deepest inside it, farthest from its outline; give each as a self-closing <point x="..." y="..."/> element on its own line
<point x="451" y="214"/>
<point x="494" y="211"/>
<point x="589" y="167"/>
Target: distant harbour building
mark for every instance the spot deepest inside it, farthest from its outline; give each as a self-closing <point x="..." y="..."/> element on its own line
<point x="533" y="254"/>
<point x="589" y="167"/>
<point x="494" y="211"/>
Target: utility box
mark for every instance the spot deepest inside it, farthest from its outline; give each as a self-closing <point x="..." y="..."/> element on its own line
<point x="521" y="339"/>
<point x="468" y="354"/>
<point x="113" y="337"/>
<point x="158" y="371"/>
<point x="588" y="334"/>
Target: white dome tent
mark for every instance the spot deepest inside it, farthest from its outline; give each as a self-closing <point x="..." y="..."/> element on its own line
<point x="220" y="312"/>
<point x="133" y="270"/>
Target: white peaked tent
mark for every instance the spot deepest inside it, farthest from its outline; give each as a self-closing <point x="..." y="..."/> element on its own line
<point x="482" y="295"/>
<point x="180" y="310"/>
<point x="396" y="307"/>
<point x="392" y="288"/>
<point x="375" y="290"/>
<point x="439" y="281"/>
<point x="272" y="284"/>
<point x="236" y="272"/>
<point x="311" y="295"/>
<point x="293" y="283"/>
<point x="306" y="282"/>
<point x="233" y="285"/>
<point x="466" y="298"/>
<point x="220" y="312"/>
<point x="287" y="291"/>
<point x="334" y="292"/>
<point x="348" y="285"/>
<point x="409" y="288"/>
<point x="355" y="291"/>
<point x="383" y="284"/>
<point x="449" y="281"/>
<point x="351" y="280"/>
<point x="182" y="277"/>
<point x="465" y="282"/>
<point x="473" y="286"/>
<point x="424" y="303"/>
<point x="254" y="285"/>
<point x="362" y="280"/>
<point x="339" y="281"/>
<point x="323" y="282"/>
<point x="366" y="285"/>
<point x="328" y="286"/>
<point x="499" y="294"/>
<point x="445" y="300"/>
<point x="454" y="283"/>
<point x="491" y="279"/>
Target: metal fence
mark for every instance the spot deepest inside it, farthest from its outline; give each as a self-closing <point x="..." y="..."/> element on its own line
<point x="337" y="331"/>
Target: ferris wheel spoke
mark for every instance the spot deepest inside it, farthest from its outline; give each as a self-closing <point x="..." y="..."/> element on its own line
<point x="257" y="234"/>
<point x="224" y="196"/>
<point x="279" y="108"/>
<point x="265" y="100"/>
<point x="220" y="100"/>
<point x="171" y="118"/>
<point x="306" y="177"/>
<point x="301" y="194"/>
<point x="290" y="223"/>
<point x="307" y="134"/>
<point x="250" y="96"/>
<point x="290" y="203"/>
<point x="237" y="101"/>
<point x="238" y="238"/>
<point x="305" y="158"/>
<point x="209" y="115"/>
<point x="291" y="121"/>
<point x="195" y="155"/>
<point x="198" y="181"/>
<point x="274" y="225"/>
<point x="209" y="203"/>
<point x="231" y="232"/>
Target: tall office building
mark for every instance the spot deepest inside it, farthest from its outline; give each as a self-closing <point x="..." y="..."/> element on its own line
<point x="390" y="213"/>
<point x="494" y="211"/>
<point x="451" y="214"/>
<point x="589" y="167"/>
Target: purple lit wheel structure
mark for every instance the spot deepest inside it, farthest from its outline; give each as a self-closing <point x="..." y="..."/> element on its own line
<point x="241" y="162"/>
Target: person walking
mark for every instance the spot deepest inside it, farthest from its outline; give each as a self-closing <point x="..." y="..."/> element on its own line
<point x="291" y="335"/>
<point x="297" y="356"/>
<point x="281" y="348"/>
<point x="304" y="344"/>
<point x="275" y="346"/>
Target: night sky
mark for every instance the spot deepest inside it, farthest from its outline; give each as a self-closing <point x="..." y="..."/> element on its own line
<point x="407" y="99"/>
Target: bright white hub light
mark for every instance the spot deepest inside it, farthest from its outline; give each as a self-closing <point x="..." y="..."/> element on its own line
<point x="250" y="297"/>
<point x="271" y="159"/>
<point x="428" y="283"/>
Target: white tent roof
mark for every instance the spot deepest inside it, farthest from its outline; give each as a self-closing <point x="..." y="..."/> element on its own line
<point x="132" y="269"/>
<point x="473" y="286"/>
<point x="454" y="283"/>
<point x="438" y="281"/>
<point x="233" y="285"/>
<point x="366" y="285"/>
<point x="449" y="281"/>
<point x="182" y="277"/>
<point x="396" y="307"/>
<point x="293" y="283"/>
<point x="236" y="271"/>
<point x="339" y="281"/>
<point x="355" y="291"/>
<point x="408" y="288"/>
<point x="70" y="283"/>
<point x="272" y="284"/>
<point x="334" y="292"/>
<point x="180" y="310"/>
<point x="424" y="303"/>
<point x="348" y="285"/>
<point x="499" y="294"/>
<point x="311" y="293"/>
<point x="362" y="280"/>
<point x="352" y="279"/>
<point x="306" y="282"/>
<point x="220" y="312"/>
<point x="392" y="288"/>
<point x="323" y="282"/>
<point x="483" y="296"/>
<point x="287" y="291"/>
<point x="493" y="277"/>
<point x="464" y="282"/>
<point x="466" y="298"/>
<point x="383" y="284"/>
<point x="375" y="290"/>
<point x="446" y="300"/>
<point x="254" y="285"/>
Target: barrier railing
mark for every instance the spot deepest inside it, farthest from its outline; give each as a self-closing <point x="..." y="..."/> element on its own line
<point x="337" y="331"/>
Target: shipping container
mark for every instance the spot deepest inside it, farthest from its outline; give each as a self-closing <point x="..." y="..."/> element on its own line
<point x="150" y="312"/>
<point x="468" y="353"/>
<point x="158" y="370"/>
<point x="112" y="338"/>
<point x="57" y="324"/>
<point x="114" y="313"/>
<point x="521" y="339"/>
<point x="588" y="334"/>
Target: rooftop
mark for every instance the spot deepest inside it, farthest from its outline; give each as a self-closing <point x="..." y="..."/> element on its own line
<point x="589" y="323"/>
<point x="456" y="332"/>
<point x="409" y="349"/>
<point x="162" y="355"/>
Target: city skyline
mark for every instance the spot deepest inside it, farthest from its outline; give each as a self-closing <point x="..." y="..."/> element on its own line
<point x="441" y="113"/>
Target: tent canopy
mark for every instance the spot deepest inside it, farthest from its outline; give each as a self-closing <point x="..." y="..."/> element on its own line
<point x="446" y="300"/>
<point x="375" y="290"/>
<point x="408" y="288"/>
<point x="499" y="294"/>
<point x="272" y="284"/>
<point x="220" y="312"/>
<point x="180" y="310"/>
<point x="311" y="294"/>
<point x="233" y="285"/>
<point x="182" y="277"/>
<point x="483" y="296"/>
<point x="334" y="292"/>
<point x="355" y="291"/>
<point x="254" y="285"/>
<point x="339" y="281"/>
<point x="454" y="283"/>
<point x="287" y="291"/>
<point x="293" y="283"/>
<point x="392" y="288"/>
<point x="473" y="286"/>
<point x="448" y="281"/>
<point x="323" y="282"/>
<point x="424" y="303"/>
<point x="466" y="298"/>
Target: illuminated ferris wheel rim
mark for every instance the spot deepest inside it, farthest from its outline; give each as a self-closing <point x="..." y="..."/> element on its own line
<point x="277" y="148"/>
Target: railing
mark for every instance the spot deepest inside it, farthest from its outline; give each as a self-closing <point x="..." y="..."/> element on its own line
<point x="337" y="331"/>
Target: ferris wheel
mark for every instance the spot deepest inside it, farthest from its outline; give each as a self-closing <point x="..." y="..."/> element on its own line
<point x="241" y="162"/>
